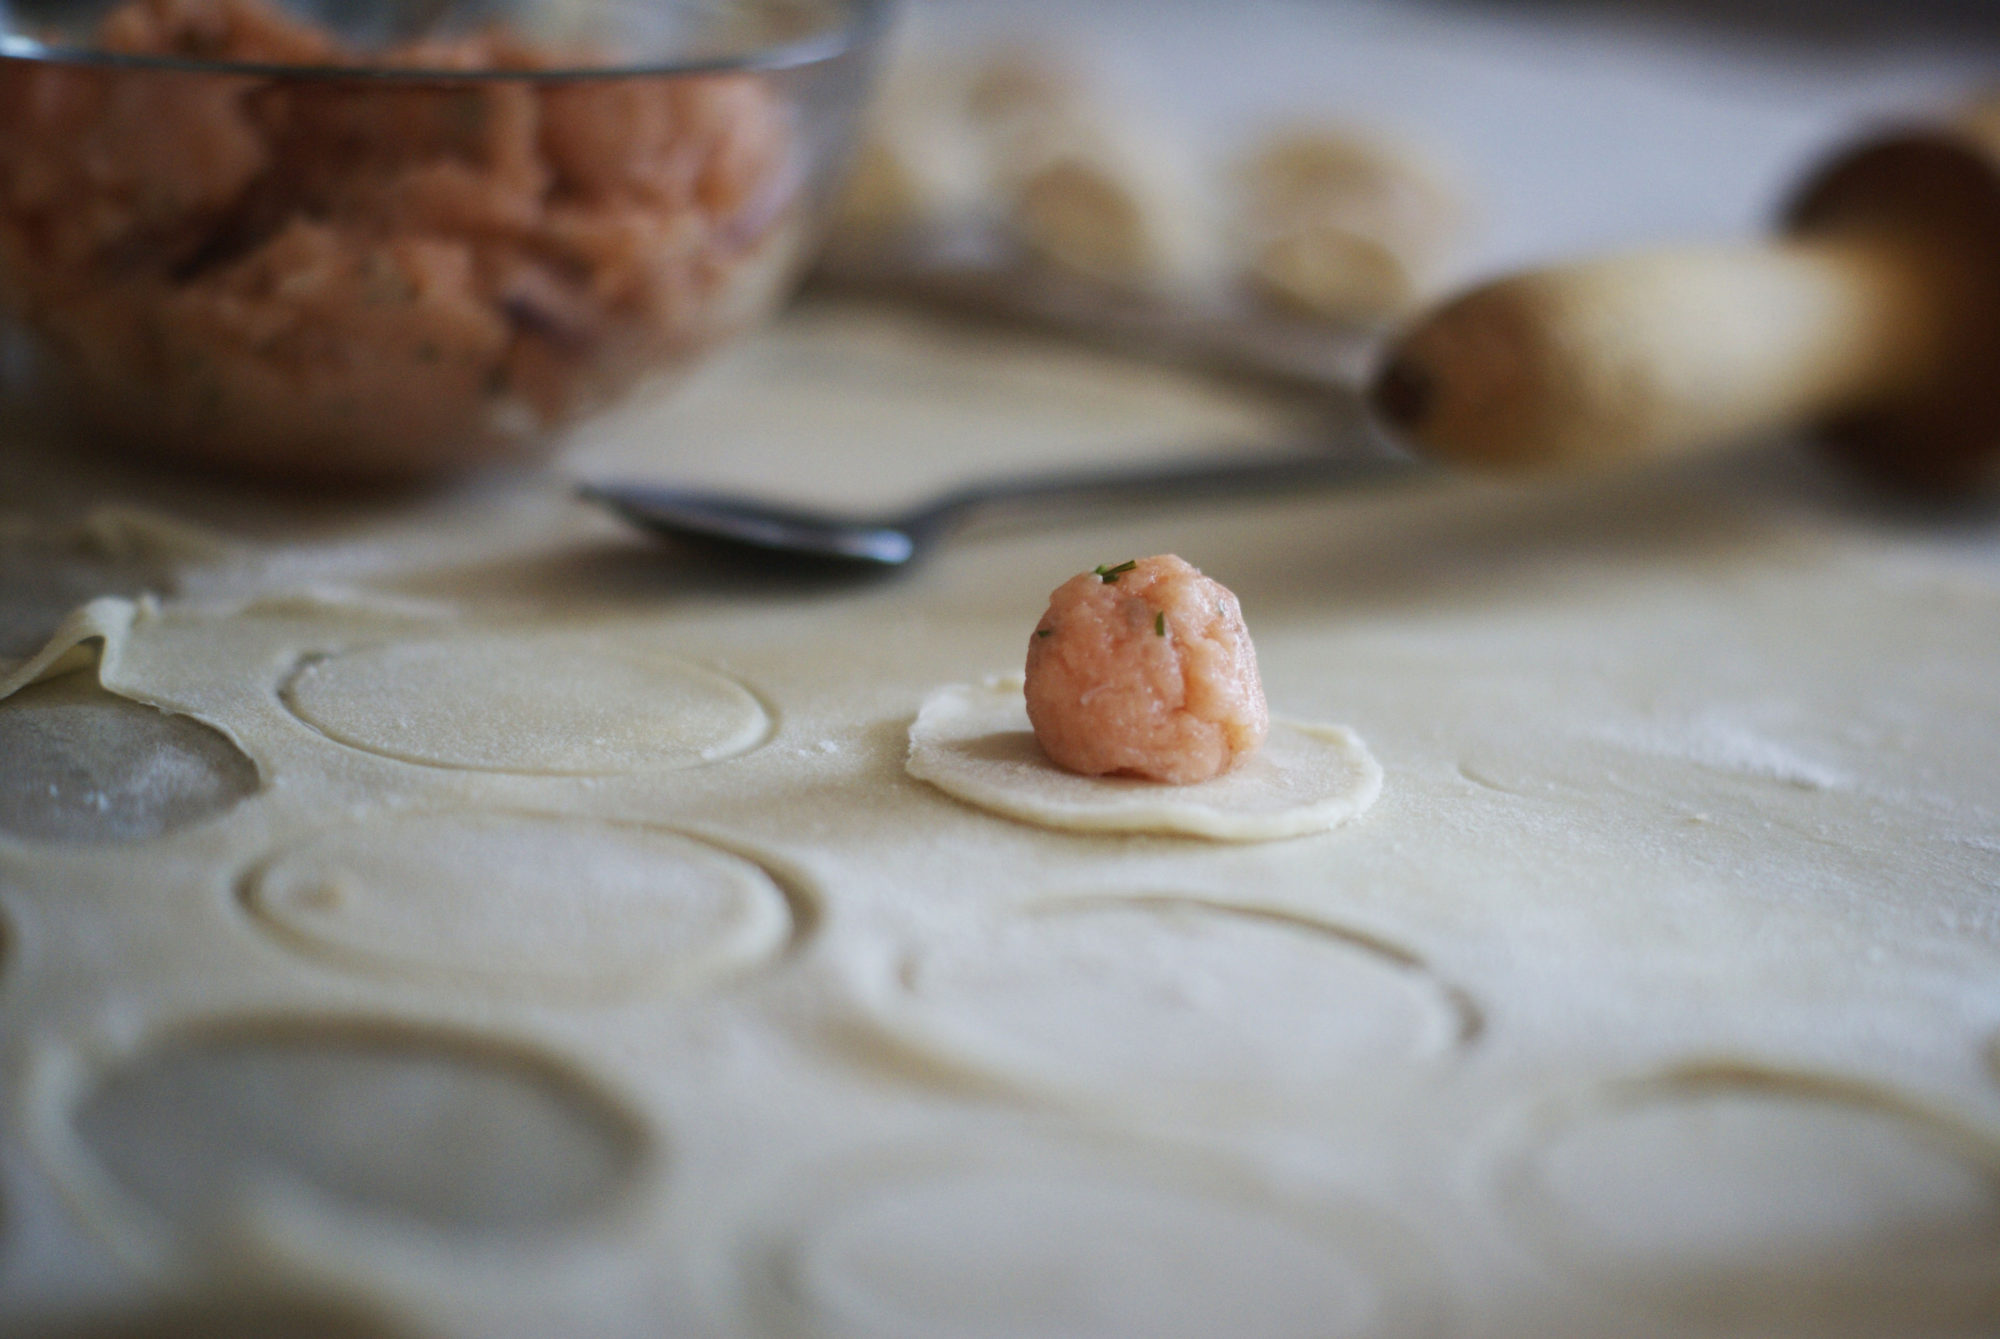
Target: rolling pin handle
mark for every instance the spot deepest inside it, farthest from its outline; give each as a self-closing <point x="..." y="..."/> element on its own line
<point x="1875" y="322"/>
<point x="1661" y="353"/>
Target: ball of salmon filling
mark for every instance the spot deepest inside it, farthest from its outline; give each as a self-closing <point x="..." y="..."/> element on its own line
<point x="1145" y="669"/>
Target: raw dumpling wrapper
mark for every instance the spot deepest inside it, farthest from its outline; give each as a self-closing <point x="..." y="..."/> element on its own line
<point x="972" y="741"/>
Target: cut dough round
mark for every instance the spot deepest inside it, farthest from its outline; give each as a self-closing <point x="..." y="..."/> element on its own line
<point x="993" y="1252"/>
<point x="557" y="903"/>
<point x="1786" y="1202"/>
<point x="560" y="706"/>
<point x="972" y="741"/>
<point x="1194" y="1005"/>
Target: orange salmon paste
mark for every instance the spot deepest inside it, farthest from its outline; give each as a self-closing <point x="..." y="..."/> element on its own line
<point x="371" y="277"/>
<point x="1145" y="669"/>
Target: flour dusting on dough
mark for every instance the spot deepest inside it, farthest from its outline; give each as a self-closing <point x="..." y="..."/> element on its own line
<point x="1722" y="745"/>
<point x="553" y="704"/>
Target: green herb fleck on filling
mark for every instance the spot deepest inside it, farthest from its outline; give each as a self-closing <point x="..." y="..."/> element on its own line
<point x="1109" y="575"/>
<point x="1160" y="623"/>
<point x="1043" y="632"/>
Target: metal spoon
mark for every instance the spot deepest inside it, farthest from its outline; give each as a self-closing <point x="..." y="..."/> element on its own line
<point x="748" y="525"/>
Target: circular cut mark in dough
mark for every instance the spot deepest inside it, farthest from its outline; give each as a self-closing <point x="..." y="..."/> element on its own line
<point x="423" y="1127"/>
<point x="538" y="704"/>
<point x="1703" y="761"/>
<point x="1061" y="1252"/>
<point x="85" y="765"/>
<point x="1190" y="1003"/>
<point x="564" y="904"/>
<point x="1771" y="1201"/>
<point x="973" y="741"/>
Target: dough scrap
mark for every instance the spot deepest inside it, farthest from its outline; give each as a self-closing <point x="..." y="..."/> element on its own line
<point x="91" y="636"/>
<point x="972" y="741"/>
<point x="49" y="569"/>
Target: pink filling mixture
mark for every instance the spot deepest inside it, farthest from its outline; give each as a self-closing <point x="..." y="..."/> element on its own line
<point x="369" y="277"/>
<point x="1145" y="670"/>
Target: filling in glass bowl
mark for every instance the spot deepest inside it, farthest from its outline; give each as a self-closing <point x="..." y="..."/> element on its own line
<point x="231" y="232"/>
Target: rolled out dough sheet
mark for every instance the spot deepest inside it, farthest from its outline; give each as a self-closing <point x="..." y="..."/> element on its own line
<point x="470" y="919"/>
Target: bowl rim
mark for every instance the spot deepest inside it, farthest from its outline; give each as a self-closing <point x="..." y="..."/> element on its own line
<point x="858" y="25"/>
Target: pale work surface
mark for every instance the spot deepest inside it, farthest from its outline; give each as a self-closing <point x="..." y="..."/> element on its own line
<point x="454" y="916"/>
<point x="512" y="928"/>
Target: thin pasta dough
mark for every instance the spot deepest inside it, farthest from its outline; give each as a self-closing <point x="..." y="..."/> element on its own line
<point x="973" y="742"/>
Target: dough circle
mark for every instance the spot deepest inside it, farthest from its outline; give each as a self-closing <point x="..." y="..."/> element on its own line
<point x="1780" y="1202"/>
<point x="973" y="742"/>
<point x="1083" y="1252"/>
<point x="567" y="905"/>
<point x="1193" y="1004"/>
<point x="543" y="705"/>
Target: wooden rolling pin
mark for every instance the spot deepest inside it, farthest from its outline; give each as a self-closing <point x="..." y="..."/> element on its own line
<point x="1873" y="319"/>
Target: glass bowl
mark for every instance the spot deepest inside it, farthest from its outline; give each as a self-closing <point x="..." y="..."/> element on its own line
<point x="402" y="238"/>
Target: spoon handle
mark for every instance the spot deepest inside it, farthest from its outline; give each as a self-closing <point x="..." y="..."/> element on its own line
<point x="1202" y="478"/>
